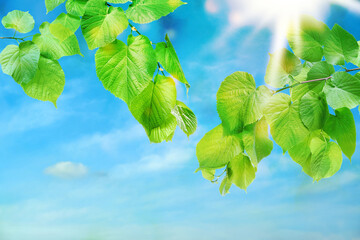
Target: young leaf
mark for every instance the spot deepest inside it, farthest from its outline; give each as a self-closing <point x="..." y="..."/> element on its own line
<point x="69" y="21"/>
<point x="216" y="149"/>
<point x="257" y="144"/>
<point x="185" y="118"/>
<point x="208" y="174"/>
<point x="307" y="38"/>
<point x="166" y="55"/>
<point x="286" y="126"/>
<point x="164" y="132"/>
<point x="225" y="186"/>
<point x="153" y="105"/>
<point x="341" y="128"/>
<point x="52" y="4"/>
<point x="313" y="110"/>
<point x="340" y="46"/>
<point x="126" y="70"/>
<point x="76" y="7"/>
<point x="101" y="24"/>
<point x="343" y="90"/>
<point x="326" y="158"/>
<point x="54" y="48"/>
<point x="301" y="153"/>
<point x="239" y="103"/>
<point x="145" y="11"/>
<point x="21" y="21"/>
<point x="282" y="66"/>
<point x="48" y="83"/>
<point x="21" y="61"/>
<point x="240" y="171"/>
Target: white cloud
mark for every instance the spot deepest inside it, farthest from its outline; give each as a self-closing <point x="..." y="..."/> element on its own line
<point x="67" y="170"/>
<point x="109" y="142"/>
<point x="174" y="157"/>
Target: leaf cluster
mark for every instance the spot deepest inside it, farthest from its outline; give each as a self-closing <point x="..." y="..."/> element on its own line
<point x="132" y="71"/>
<point x="313" y="123"/>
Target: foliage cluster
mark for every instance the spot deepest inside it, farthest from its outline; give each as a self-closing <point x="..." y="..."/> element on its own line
<point x="132" y="71"/>
<point x="302" y="122"/>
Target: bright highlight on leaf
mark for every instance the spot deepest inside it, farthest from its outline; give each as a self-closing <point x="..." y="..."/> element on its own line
<point x="282" y="66"/>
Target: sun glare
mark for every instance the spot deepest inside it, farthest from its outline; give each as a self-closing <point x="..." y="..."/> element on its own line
<point x="276" y="15"/>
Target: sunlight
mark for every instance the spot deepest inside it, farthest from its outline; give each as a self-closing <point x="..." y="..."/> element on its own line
<point x="276" y="15"/>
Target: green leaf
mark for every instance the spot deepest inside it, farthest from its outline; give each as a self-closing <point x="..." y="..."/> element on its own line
<point x="301" y="153"/>
<point x="340" y="46"/>
<point x="320" y="70"/>
<point x="153" y="106"/>
<point x="317" y="71"/>
<point x="21" y="61"/>
<point x="283" y="65"/>
<point x="286" y="126"/>
<point x="307" y="38"/>
<point x="257" y="144"/>
<point x="239" y="103"/>
<point x="342" y="129"/>
<point x="240" y="171"/>
<point x="52" y="4"/>
<point x="225" y="186"/>
<point x="357" y="60"/>
<point x="166" y="55"/>
<point x="145" y="11"/>
<point x="54" y="48"/>
<point x="164" y="132"/>
<point x="69" y="21"/>
<point x="48" y="83"/>
<point x="298" y="91"/>
<point x="126" y="70"/>
<point x="313" y="110"/>
<point x="21" y="21"/>
<point x="101" y="24"/>
<point x="118" y="1"/>
<point x="326" y="158"/>
<point x="343" y="90"/>
<point x="216" y="149"/>
<point x="185" y="118"/>
<point x="208" y="174"/>
<point x="76" y="7"/>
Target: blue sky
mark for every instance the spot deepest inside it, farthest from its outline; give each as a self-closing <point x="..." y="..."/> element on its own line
<point x="119" y="186"/>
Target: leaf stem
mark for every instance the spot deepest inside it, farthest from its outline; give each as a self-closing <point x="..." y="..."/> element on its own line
<point x="350" y="70"/>
<point x="14" y="38"/>
<point x="314" y="80"/>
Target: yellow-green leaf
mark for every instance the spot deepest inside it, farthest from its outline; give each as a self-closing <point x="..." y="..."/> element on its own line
<point x="21" y="21"/>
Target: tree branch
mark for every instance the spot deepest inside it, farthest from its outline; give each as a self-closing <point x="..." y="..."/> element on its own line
<point x="314" y="80"/>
